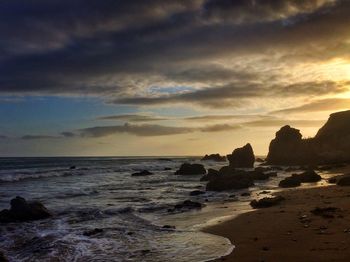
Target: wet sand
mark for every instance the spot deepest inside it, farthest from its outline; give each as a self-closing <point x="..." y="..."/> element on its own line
<point x="290" y="231"/>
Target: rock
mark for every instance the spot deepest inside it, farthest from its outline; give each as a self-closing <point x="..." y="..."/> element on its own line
<point x="245" y="194"/>
<point x="289" y="182"/>
<point x="196" y="193"/>
<point x="259" y="160"/>
<point x="264" y="192"/>
<point x="214" y="157"/>
<point x="167" y="168"/>
<point x="272" y="174"/>
<point x="296" y="179"/>
<point x="168" y="227"/>
<point x="259" y="175"/>
<point x="21" y="210"/>
<point x="188" y="204"/>
<point x="212" y="174"/>
<point x="242" y="157"/>
<point x="142" y="173"/>
<point x="262" y="169"/>
<point x="3" y="257"/>
<point x="239" y="180"/>
<point x="191" y="169"/>
<point x="266" y="202"/>
<point x="308" y="176"/>
<point x="332" y="180"/>
<point x="72" y="167"/>
<point x="344" y="181"/>
<point x="325" y="212"/>
<point x="93" y="232"/>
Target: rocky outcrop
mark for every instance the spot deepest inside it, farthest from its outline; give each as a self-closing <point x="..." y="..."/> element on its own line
<point x="330" y="145"/>
<point x="266" y="202"/>
<point x="196" y="193"/>
<point x="309" y="176"/>
<point x="191" y="169"/>
<point x="344" y="181"/>
<point x="21" y="210"/>
<point x="214" y="157"/>
<point x="187" y="205"/>
<point x="93" y="232"/>
<point x="239" y="179"/>
<point x="242" y="157"/>
<point x="212" y="174"/>
<point x="289" y="182"/>
<point x="3" y="257"/>
<point x="142" y="173"/>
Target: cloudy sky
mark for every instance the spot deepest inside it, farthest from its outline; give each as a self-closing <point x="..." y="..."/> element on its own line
<point x="167" y="77"/>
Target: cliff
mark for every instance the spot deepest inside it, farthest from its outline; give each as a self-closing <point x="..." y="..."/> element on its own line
<point x="330" y="145"/>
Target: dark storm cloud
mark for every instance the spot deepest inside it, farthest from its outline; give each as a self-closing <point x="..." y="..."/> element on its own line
<point x="151" y="130"/>
<point x="35" y="137"/>
<point x="133" y="118"/>
<point x="106" y="48"/>
<point x="68" y="134"/>
<point x="233" y="94"/>
<point x="246" y="11"/>
<point x="138" y="130"/>
<point x="329" y="104"/>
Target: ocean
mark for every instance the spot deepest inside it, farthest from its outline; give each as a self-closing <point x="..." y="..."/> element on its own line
<point x="99" y="192"/>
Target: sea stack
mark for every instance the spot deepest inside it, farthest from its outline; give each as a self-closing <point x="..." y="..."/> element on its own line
<point x="242" y="157"/>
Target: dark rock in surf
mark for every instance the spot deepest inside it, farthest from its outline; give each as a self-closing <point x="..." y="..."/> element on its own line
<point x="344" y="181"/>
<point x="214" y="157"/>
<point x="3" y="257"/>
<point x="191" y="169"/>
<point x="168" y="227"/>
<point x="266" y="202"/>
<point x="142" y="173"/>
<point x="196" y="193"/>
<point x="242" y="157"/>
<point x="212" y="174"/>
<point x="188" y="204"/>
<point x="289" y="182"/>
<point x="21" y="210"/>
<point x="93" y="232"/>
<point x="239" y="180"/>
<point x="308" y="176"/>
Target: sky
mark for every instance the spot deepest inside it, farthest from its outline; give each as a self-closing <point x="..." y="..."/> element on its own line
<point x="167" y="77"/>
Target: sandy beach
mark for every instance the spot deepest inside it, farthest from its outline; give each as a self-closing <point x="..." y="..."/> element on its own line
<point x="310" y="225"/>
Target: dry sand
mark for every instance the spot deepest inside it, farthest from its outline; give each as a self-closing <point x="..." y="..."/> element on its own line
<point x="290" y="231"/>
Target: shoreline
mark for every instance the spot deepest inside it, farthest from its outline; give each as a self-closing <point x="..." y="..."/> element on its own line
<point x="290" y="230"/>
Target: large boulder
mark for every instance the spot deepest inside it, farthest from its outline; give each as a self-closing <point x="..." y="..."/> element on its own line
<point x="3" y="257"/>
<point x="142" y="173"/>
<point x="266" y="202"/>
<point x="21" y="210"/>
<point x="242" y="157"/>
<point x="289" y="182"/>
<point x="308" y="176"/>
<point x="212" y="174"/>
<point x="344" y="181"/>
<point x="214" y="157"/>
<point x="239" y="180"/>
<point x="191" y="169"/>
